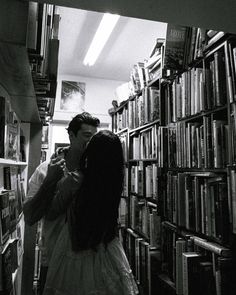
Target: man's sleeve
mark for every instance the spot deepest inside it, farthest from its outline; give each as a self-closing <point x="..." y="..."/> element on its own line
<point x="34" y="213"/>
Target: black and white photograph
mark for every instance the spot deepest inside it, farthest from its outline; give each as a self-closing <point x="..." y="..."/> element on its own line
<point x="126" y="114"/>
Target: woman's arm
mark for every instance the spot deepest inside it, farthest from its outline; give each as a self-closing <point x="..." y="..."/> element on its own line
<point x="67" y="189"/>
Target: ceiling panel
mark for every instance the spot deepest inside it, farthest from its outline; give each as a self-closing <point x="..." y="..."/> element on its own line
<point x="131" y="41"/>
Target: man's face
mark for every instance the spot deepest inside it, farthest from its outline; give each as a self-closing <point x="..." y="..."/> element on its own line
<point x="82" y="137"/>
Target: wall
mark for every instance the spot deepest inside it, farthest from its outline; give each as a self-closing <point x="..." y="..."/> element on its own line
<point x="99" y="94"/>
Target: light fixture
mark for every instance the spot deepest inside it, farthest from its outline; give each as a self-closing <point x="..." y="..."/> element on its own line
<point x="101" y="36"/>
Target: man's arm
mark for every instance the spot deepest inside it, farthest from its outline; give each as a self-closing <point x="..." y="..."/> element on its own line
<point x="41" y="192"/>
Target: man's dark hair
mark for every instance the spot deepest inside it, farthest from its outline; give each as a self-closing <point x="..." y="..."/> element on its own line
<point x="83" y="118"/>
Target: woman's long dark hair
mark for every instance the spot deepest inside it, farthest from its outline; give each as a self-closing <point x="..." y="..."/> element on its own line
<point x="94" y="214"/>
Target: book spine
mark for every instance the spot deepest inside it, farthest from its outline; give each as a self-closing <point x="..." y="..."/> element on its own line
<point x="217" y="249"/>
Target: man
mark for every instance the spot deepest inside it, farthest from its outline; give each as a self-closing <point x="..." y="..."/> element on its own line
<point x="42" y="185"/>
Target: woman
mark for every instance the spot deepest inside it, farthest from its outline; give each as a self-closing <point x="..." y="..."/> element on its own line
<point x="88" y="257"/>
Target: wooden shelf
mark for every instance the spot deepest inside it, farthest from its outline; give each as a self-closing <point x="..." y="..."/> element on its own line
<point x="202" y="114"/>
<point x="145" y="126"/>
<point x="9" y="162"/>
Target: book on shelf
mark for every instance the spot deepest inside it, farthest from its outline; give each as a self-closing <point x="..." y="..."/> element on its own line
<point x="191" y="272"/>
<point x="13" y="209"/>
<point x="181" y="247"/>
<point x="12" y="141"/>
<point x="174" y="54"/>
<point x="2" y="126"/>
<point x="19" y="237"/>
<point x="224" y="276"/>
<point x="6" y="284"/>
<point x="4" y="217"/>
<point x="211" y="246"/>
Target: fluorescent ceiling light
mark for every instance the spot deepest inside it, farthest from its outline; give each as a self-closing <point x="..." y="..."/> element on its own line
<point x="104" y="30"/>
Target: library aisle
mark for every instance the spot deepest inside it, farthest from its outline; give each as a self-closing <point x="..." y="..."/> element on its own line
<point x="175" y="115"/>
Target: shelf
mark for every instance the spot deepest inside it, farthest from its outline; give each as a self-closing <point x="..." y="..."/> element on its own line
<point x="145" y="126"/>
<point x="138" y="233"/>
<point x="215" y="39"/>
<point x="143" y="160"/>
<point x="153" y="82"/>
<point x="202" y="114"/>
<point x="121" y="131"/>
<point x="199" y="170"/>
<point x="16" y="81"/>
<point x="9" y="162"/>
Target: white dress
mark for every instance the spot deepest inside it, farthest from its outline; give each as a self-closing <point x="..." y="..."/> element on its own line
<point x="105" y="272"/>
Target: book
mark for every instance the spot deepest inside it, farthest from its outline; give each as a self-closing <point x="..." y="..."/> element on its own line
<point x="12" y="141"/>
<point x="4" y="217"/>
<point x="175" y="47"/>
<point x="7" y="270"/>
<point x="13" y="209"/>
<point x="180" y="249"/>
<point x="214" y="247"/>
<point x="2" y="126"/>
<point x="191" y="272"/>
<point x="224" y="276"/>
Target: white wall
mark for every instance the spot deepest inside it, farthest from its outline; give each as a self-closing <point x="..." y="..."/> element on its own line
<point x="99" y="94"/>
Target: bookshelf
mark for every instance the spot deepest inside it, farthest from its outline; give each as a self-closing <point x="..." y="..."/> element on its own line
<point x="20" y="142"/>
<point x="178" y="133"/>
<point x="14" y="159"/>
<point x="43" y="49"/>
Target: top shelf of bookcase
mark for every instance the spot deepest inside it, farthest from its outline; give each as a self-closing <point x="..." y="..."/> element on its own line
<point x="16" y="81"/>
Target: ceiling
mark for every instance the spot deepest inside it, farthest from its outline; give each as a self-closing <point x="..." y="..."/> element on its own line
<point x="130" y="42"/>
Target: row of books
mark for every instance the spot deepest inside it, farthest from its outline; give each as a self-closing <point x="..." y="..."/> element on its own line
<point x="142" y="260"/>
<point x="233" y="130"/>
<point x="144" y="180"/>
<point x="43" y="46"/>
<point x="150" y="144"/>
<point x="142" y="109"/>
<point x="194" y="269"/>
<point x="232" y="199"/>
<point x="153" y="65"/>
<point x="10" y="260"/>
<point x="199" y="202"/>
<point x="11" y="201"/>
<point x="144" y="219"/>
<point x="202" y="144"/>
<point x="198" y="89"/>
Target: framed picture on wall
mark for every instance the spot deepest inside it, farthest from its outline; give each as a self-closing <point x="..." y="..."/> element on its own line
<point x="72" y="96"/>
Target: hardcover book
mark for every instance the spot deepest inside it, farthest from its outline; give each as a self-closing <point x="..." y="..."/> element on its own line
<point x="4" y="217"/>
<point x="175" y="47"/>
<point x="191" y="273"/>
